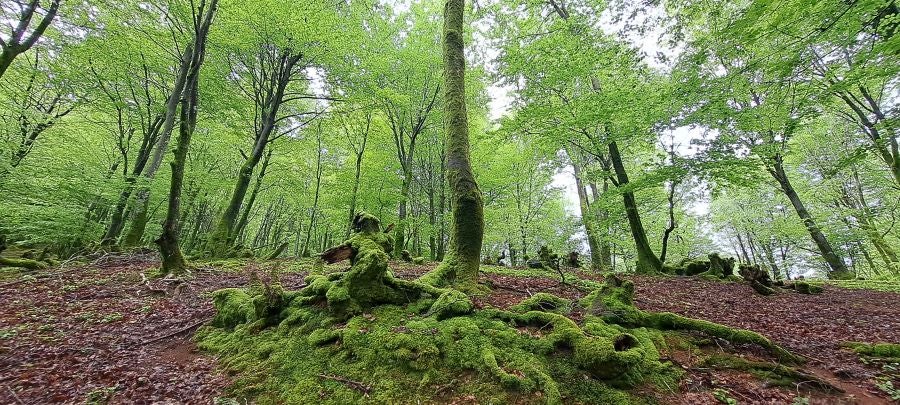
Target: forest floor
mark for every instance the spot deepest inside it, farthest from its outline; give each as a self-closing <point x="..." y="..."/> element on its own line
<point x="100" y="332"/>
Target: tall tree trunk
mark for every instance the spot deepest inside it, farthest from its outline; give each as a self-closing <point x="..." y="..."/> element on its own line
<point x="586" y="217"/>
<point x="460" y="266"/>
<point x="142" y="197"/>
<point x="647" y="262"/>
<point x="172" y="259"/>
<point x="360" y="153"/>
<point x="670" y="227"/>
<point x="400" y="229"/>
<point x="315" y="207"/>
<point x="270" y="98"/>
<point x="838" y="270"/>
<point x="743" y="252"/>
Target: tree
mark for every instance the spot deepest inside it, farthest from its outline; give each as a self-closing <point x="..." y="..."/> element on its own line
<point x="172" y="259"/>
<point x="19" y="40"/>
<point x="461" y="263"/>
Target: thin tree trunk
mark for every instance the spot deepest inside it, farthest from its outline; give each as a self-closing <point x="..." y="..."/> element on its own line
<point x="589" y="225"/>
<point x="315" y="207"/>
<point x="245" y="215"/>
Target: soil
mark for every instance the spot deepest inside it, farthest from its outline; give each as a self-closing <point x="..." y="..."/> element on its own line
<point x="99" y="331"/>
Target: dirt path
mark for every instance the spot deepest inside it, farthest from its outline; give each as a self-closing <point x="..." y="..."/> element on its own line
<point x="99" y="332"/>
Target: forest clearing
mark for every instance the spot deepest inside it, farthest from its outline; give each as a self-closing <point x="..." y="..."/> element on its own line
<point x="241" y="202"/>
<point x="103" y="334"/>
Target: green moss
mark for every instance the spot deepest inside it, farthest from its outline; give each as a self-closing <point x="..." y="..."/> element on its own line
<point x="233" y="307"/>
<point x="544" y="302"/>
<point x="419" y="260"/>
<point x="614" y="304"/>
<point x="22" y="263"/>
<point x="803" y="287"/>
<point x="405" y="357"/>
<point x="452" y="303"/>
<point x="883" y="350"/>
<point x="402" y="341"/>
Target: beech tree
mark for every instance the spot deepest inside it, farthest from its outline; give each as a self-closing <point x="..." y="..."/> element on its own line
<point x="461" y="263"/>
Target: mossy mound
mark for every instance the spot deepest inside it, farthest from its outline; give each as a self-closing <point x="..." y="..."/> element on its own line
<point x="803" y="287"/>
<point x="365" y="334"/>
<point x="544" y="302"/>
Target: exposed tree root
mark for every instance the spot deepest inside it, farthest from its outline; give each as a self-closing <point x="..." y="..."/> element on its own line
<point x="614" y="303"/>
<point x="22" y="263"/>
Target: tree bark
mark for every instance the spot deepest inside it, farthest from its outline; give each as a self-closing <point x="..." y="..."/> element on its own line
<point x="605" y="249"/>
<point x="460" y="266"/>
<point x="142" y="197"/>
<point x="245" y="214"/>
<point x="270" y="95"/>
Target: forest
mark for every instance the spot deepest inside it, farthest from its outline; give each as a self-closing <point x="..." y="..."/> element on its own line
<point x="450" y="201"/>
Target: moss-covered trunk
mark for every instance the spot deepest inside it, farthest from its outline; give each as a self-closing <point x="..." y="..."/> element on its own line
<point x="172" y="259"/>
<point x="283" y="62"/>
<point x="460" y="265"/>
<point x="245" y="214"/>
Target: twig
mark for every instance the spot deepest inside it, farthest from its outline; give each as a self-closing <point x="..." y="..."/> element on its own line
<point x="365" y="389"/>
<point x="19" y="400"/>
<point x="177" y="332"/>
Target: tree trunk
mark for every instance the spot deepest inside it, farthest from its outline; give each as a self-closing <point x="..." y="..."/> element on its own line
<point x="740" y="241"/>
<point x="838" y="270"/>
<point x="172" y="259"/>
<point x="460" y="266"/>
<point x="355" y="195"/>
<point x="605" y="250"/>
<point x="272" y="97"/>
<point x="245" y="215"/>
<point x="142" y="198"/>
<point x="670" y="198"/>
<point x="400" y="229"/>
<point x="589" y="225"/>
<point x="647" y="262"/>
<point x="315" y="207"/>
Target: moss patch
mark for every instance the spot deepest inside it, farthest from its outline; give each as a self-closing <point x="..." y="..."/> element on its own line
<point x="882" y="350"/>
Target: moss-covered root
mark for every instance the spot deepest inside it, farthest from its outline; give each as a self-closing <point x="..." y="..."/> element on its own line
<point x="22" y="263"/>
<point x="881" y="350"/>
<point x="614" y="304"/>
<point x="544" y="302"/>
<point x="670" y="321"/>
<point x="774" y="374"/>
